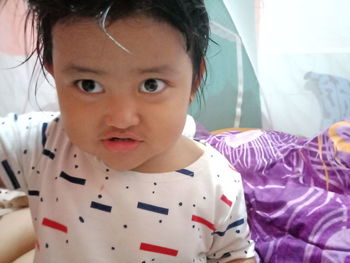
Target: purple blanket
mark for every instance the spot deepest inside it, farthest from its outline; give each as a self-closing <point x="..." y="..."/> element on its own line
<point x="297" y="192"/>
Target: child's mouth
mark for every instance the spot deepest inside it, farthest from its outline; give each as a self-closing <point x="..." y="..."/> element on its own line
<point x="123" y="145"/>
<point x="120" y="139"/>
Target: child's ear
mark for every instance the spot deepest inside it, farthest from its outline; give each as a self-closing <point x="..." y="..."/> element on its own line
<point x="193" y="95"/>
<point x="49" y="68"/>
<point x="197" y="81"/>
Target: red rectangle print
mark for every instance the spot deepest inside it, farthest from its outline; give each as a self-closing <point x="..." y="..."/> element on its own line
<point x="226" y="200"/>
<point x="55" y="225"/>
<point x="158" y="249"/>
<point x="201" y="220"/>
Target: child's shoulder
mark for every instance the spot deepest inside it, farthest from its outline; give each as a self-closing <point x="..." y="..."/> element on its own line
<point x="30" y="118"/>
<point x="29" y="130"/>
<point x="40" y="116"/>
<point x="211" y="154"/>
<point x="214" y="162"/>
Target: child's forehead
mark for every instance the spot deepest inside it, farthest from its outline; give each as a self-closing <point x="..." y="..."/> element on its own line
<point x="155" y="44"/>
<point x="130" y="26"/>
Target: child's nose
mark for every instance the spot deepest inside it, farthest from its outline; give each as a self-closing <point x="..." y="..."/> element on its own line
<point x="121" y="113"/>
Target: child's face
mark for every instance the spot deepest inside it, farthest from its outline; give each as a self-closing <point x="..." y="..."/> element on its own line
<point x="127" y="109"/>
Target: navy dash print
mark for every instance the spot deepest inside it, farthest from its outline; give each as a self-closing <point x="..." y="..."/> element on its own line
<point x="102" y="207"/>
<point x="34" y="192"/>
<point x="72" y="179"/>
<point x="226" y="255"/>
<point x="232" y="225"/>
<point x="10" y="174"/>
<point x="186" y="172"/>
<point x="153" y="208"/>
<point x="49" y="154"/>
<point x="15" y="117"/>
<point x="43" y="134"/>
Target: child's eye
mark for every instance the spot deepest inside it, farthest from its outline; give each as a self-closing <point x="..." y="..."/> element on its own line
<point x="89" y="86"/>
<point x="152" y="86"/>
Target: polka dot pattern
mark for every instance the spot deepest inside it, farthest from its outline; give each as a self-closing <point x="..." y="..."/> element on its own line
<point x="74" y="196"/>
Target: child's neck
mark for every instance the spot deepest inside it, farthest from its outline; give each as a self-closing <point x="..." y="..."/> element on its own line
<point x="182" y="154"/>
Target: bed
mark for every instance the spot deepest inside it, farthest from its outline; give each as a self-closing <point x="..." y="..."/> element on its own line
<point x="297" y="191"/>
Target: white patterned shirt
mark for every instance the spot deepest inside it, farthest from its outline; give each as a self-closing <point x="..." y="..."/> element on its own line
<point x="84" y="211"/>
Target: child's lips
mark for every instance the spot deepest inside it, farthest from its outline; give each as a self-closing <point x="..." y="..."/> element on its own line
<point x="123" y="146"/>
<point x="121" y="142"/>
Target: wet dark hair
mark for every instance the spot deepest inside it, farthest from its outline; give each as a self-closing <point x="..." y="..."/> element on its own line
<point x="188" y="16"/>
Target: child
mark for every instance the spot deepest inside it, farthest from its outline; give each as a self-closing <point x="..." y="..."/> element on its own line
<point x="110" y="178"/>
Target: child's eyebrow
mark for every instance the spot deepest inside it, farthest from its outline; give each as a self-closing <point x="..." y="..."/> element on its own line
<point x="72" y="68"/>
<point x="157" y="69"/>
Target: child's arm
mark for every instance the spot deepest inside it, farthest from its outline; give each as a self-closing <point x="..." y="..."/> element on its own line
<point x="17" y="235"/>
<point x="231" y="238"/>
<point x="26" y="258"/>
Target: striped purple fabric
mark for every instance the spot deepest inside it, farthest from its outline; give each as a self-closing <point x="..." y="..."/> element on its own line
<point x="297" y="192"/>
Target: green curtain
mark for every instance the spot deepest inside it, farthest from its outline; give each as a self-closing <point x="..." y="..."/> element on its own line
<point x="217" y="110"/>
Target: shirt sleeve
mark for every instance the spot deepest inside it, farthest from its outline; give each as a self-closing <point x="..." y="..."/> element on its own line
<point x="231" y="238"/>
<point x="22" y="138"/>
